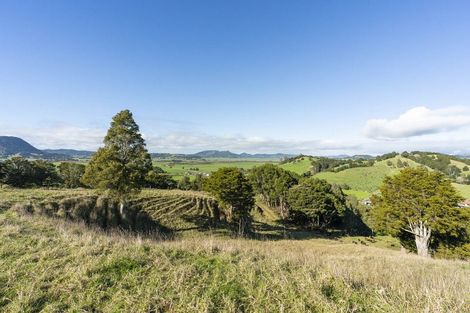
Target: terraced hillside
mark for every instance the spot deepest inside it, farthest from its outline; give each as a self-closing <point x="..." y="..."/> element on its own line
<point x="168" y="209"/>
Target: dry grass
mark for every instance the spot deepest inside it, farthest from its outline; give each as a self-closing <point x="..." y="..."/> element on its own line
<point x="54" y="266"/>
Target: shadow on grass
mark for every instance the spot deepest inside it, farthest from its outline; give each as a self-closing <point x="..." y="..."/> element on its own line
<point x="102" y="213"/>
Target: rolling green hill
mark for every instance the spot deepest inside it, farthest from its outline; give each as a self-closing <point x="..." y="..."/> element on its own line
<point x="300" y="165"/>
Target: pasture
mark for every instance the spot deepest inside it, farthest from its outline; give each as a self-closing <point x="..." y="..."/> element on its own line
<point x="179" y="169"/>
<point x="81" y="269"/>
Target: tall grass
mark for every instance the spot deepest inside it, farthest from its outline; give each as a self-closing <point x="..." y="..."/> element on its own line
<point x="53" y="265"/>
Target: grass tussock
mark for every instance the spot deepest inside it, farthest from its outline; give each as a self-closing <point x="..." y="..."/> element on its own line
<point x="52" y="265"/>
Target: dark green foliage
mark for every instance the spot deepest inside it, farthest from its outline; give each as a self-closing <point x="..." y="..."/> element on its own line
<point x="157" y="178"/>
<point x="439" y="162"/>
<point x="184" y="183"/>
<point x="386" y="156"/>
<point x="420" y="195"/>
<point x="322" y="164"/>
<point x="122" y="165"/>
<point x="198" y="183"/>
<point x="234" y="193"/>
<point x="293" y="159"/>
<point x="317" y="201"/>
<point x="19" y="172"/>
<point x="71" y="174"/>
<point x="273" y="183"/>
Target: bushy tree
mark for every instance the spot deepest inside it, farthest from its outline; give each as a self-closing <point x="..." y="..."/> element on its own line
<point x="198" y="183"/>
<point x="157" y="178"/>
<point x="19" y="172"/>
<point x="420" y="208"/>
<point x="71" y="174"/>
<point x="45" y="173"/>
<point x="273" y="183"/>
<point x="184" y="183"/>
<point x="234" y="193"/>
<point x="317" y="201"/>
<point x="122" y="165"/>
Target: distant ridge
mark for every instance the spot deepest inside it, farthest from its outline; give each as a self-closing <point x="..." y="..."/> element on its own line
<point x="230" y="155"/>
<point x="78" y="154"/>
<point x="16" y="146"/>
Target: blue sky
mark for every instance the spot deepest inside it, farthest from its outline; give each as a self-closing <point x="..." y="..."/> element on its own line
<point x="319" y="77"/>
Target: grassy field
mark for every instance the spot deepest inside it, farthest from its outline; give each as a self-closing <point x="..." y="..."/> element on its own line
<point x="362" y="180"/>
<point x="463" y="189"/>
<point x="299" y="166"/>
<point x="50" y="265"/>
<point x="191" y="168"/>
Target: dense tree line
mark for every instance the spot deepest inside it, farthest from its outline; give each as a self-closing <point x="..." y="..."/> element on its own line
<point x="438" y="162"/>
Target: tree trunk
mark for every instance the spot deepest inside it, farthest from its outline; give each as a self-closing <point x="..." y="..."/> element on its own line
<point x="122" y="204"/>
<point x="422" y="235"/>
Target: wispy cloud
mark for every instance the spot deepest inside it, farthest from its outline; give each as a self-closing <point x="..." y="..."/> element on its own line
<point x="419" y="121"/>
<point x="66" y="136"/>
<point x="195" y="142"/>
<point x="59" y="137"/>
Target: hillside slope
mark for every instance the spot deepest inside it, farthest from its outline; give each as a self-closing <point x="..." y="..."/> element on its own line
<point x="54" y="266"/>
<point x="16" y="146"/>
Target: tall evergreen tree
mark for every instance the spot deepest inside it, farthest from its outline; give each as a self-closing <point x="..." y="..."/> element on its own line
<point x="121" y="166"/>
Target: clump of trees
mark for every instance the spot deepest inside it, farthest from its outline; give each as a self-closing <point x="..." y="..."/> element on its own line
<point x="158" y="178"/>
<point x="316" y="202"/>
<point x="235" y="195"/>
<point x="300" y="200"/>
<point x="71" y="174"/>
<point x="420" y="207"/>
<point x="20" y="172"/>
<point x="322" y="164"/>
<point x="272" y="183"/>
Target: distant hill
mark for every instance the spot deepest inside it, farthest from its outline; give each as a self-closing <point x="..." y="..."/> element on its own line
<point x="75" y="154"/>
<point x="230" y="155"/>
<point x="352" y="157"/>
<point x="16" y="146"/>
<point x="216" y="154"/>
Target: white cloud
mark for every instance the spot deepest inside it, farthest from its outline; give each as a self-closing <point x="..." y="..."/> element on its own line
<point x="65" y="136"/>
<point x="419" y="121"/>
<point x="193" y="142"/>
<point x="60" y="137"/>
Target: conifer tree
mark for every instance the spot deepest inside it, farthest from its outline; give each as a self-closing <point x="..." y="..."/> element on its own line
<point x="121" y="166"/>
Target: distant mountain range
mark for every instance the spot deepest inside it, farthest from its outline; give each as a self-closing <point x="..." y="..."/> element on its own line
<point x="216" y="154"/>
<point x="75" y="154"/>
<point x="10" y="146"/>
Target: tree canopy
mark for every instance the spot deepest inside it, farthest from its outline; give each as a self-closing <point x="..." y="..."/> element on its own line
<point x="20" y="172"/>
<point x="122" y="165"/>
<point x="273" y="183"/>
<point x="418" y="199"/>
<point x="316" y="201"/>
<point x="234" y="193"/>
